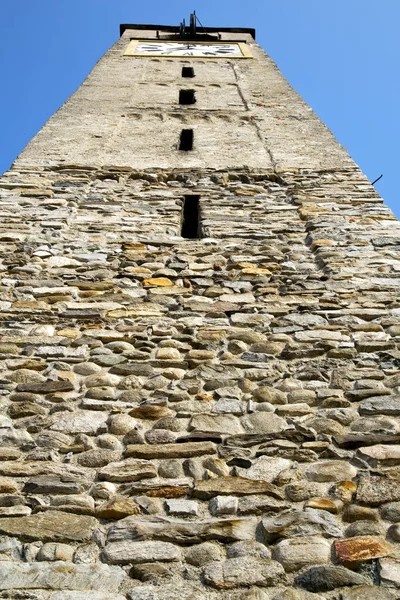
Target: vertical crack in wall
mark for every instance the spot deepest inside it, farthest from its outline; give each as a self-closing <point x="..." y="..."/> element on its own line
<point x="253" y="120"/>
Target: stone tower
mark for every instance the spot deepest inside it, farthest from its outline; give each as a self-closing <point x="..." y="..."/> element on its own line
<point x="199" y="341"/>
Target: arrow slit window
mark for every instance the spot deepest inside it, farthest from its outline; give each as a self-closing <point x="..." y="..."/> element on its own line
<point x="191" y="218"/>
<point x="187" y="97"/>
<point x="186" y="140"/>
<point x="187" y="72"/>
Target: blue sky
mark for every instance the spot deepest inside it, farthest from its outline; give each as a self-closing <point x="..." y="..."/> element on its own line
<point x="342" y="56"/>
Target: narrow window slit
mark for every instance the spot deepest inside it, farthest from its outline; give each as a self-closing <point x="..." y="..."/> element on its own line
<point x="191" y="218"/>
<point x="187" y="72"/>
<point x="187" y="97"/>
<point x="186" y="140"/>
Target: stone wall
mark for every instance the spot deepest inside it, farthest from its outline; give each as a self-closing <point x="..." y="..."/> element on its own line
<point x="127" y="113"/>
<point x="215" y="418"/>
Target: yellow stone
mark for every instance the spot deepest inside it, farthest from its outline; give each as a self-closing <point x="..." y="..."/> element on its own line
<point x="384" y="217"/>
<point x="90" y="294"/>
<point x="33" y="364"/>
<point x="256" y="271"/>
<point x="8" y="348"/>
<point x="140" y="312"/>
<point x="54" y="299"/>
<point x="150" y="411"/>
<point x="345" y="491"/>
<point x="94" y="285"/>
<point x="67" y="376"/>
<point x="204" y="397"/>
<point x="323" y="504"/>
<point x="322" y="242"/>
<point x="157" y="282"/>
<point x="137" y="271"/>
<point x="117" y="508"/>
<point x="211" y="335"/>
<point x="30" y="304"/>
<point x="37" y="193"/>
<point x="72" y="334"/>
<point x="243" y="192"/>
<point x="307" y="210"/>
<point x="7" y="486"/>
<point x="132" y="246"/>
<point x="170" y="291"/>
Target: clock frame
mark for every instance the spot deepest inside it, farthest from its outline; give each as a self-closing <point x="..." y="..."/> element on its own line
<point x="176" y="49"/>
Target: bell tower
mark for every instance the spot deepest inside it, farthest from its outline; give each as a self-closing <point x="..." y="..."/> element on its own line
<point x="199" y="340"/>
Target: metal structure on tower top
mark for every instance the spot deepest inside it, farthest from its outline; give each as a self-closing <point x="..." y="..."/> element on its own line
<point x="190" y="32"/>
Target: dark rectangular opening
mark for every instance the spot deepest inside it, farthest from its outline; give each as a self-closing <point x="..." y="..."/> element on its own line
<point x="187" y="72"/>
<point x="187" y="97"/>
<point x="186" y="140"/>
<point x="190" y="217"/>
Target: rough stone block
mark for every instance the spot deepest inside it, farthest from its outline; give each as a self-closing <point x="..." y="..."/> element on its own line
<point x="50" y="526"/>
<point x="296" y="553"/>
<point x="140" y="552"/>
<point x="361" y="548"/>
<point x="223" y="505"/>
<point x="182" y="532"/>
<point x="60" y="576"/>
<point x="239" y="572"/>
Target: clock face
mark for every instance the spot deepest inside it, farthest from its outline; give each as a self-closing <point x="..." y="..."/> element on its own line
<point x="183" y="49"/>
